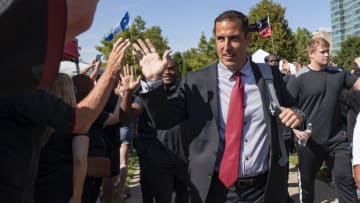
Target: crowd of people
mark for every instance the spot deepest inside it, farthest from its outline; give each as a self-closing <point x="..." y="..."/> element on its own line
<point x="222" y="133"/>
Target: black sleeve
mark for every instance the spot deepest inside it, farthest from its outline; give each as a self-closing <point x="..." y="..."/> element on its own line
<point x="284" y="96"/>
<point x="164" y="110"/>
<point x="102" y="118"/>
<point x="293" y="87"/>
<point x="39" y="107"/>
<point x="34" y="59"/>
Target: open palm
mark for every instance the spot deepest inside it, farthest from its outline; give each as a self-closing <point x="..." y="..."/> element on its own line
<point x="151" y="64"/>
<point x="129" y="81"/>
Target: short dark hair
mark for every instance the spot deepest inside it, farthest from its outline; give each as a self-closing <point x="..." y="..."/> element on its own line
<point x="232" y="15"/>
<point x="266" y="59"/>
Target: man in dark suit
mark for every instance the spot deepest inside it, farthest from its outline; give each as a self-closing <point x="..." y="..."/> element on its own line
<point x="204" y="103"/>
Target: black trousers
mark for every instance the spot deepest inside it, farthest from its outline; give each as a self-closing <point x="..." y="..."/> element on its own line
<point x="164" y="178"/>
<point x="311" y="158"/>
<point x="163" y="183"/>
<point x="242" y="191"/>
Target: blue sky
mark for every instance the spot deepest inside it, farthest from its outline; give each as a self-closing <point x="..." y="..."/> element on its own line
<point x="182" y="22"/>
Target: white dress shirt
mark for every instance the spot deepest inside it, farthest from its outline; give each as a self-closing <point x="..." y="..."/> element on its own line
<point x="356" y="142"/>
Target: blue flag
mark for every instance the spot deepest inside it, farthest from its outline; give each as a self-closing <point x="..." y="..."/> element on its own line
<point x="122" y="26"/>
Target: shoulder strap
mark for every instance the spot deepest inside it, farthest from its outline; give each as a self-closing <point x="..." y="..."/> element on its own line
<point x="274" y="107"/>
<point x="265" y="70"/>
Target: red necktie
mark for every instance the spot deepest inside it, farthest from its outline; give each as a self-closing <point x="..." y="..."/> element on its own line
<point x="229" y="166"/>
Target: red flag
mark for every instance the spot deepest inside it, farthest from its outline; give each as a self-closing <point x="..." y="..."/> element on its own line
<point x="266" y="32"/>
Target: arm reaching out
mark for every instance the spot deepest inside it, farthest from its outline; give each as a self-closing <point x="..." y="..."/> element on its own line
<point x="90" y="107"/>
<point x="80" y="145"/>
<point x="128" y="110"/>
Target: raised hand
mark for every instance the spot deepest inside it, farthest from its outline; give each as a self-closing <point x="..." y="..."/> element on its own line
<point x="117" y="55"/>
<point x="128" y="81"/>
<point x="152" y="66"/>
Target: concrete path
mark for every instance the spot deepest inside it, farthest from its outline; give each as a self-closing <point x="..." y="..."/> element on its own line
<point x="324" y="193"/>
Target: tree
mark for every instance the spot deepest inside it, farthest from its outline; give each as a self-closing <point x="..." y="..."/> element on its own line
<point x="282" y="41"/>
<point x="199" y="57"/>
<point x="302" y="36"/>
<point x="348" y="52"/>
<point x="136" y="31"/>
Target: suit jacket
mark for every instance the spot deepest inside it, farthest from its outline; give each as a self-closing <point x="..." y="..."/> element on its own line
<point x="197" y="107"/>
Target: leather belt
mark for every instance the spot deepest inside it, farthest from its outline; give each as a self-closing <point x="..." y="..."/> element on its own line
<point x="251" y="181"/>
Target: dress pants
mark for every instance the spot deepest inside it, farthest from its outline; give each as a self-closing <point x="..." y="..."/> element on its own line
<point x="311" y="158"/>
<point x="239" y="192"/>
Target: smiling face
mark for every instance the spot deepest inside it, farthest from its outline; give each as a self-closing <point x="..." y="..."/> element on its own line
<point x="231" y="43"/>
<point x="171" y="73"/>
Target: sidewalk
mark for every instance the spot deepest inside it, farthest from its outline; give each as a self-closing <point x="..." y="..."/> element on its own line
<point x="324" y="193"/>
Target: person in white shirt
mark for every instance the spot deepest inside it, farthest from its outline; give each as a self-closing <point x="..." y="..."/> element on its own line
<point x="356" y="151"/>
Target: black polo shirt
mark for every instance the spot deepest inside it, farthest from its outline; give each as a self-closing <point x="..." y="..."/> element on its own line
<point x="23" y="118"/>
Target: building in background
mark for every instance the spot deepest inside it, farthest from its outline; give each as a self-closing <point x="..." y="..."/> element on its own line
<point x="345" y="21"/>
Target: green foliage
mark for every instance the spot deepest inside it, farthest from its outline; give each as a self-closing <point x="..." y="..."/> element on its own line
<point x="136" y="31"/>
<point x="203" y="55"/>
<point x="302" y="36"/>
<point x="348" y="52"/>
<point x="282" y="41"/>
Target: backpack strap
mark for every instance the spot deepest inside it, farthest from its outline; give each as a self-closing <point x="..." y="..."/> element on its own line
<point x="274" y="107"/>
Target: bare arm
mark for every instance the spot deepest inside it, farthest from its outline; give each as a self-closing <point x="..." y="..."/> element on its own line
<point x="90" y="107"/>
<point x="80" y="14"/>
<point x="129" y="111"/>
<point x="356" y="85"/>
<point x="80" y="145"/>
<point x="114" y="116"/>
<point x="85" y="70"/>
<point x="96" y="70"/>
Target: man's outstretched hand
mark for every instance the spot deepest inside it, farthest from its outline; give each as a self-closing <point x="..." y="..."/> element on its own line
<point x="150" y="62"/>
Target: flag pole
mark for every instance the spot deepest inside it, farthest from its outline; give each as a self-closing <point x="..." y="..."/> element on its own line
<point x="132" y="40"/>
<point x="272" y="40"/>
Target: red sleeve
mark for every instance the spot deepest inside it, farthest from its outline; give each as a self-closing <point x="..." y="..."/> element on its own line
<point x="55" y="40"/>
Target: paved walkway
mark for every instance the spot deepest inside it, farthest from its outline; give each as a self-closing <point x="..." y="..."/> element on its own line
<point x="324" y="193"/>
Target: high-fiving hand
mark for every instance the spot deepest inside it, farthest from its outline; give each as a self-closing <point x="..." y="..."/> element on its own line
<point x="128" y="81"/>
<point x="117" y="55"/>
<point x="151" y="65"/>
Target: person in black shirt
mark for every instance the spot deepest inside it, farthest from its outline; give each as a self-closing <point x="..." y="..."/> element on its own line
<point x="163" y="163"/>
<point x="62" y="158"/>
<point x="34" y="61"/>
<point x="317" y="88"/>
<point x="24" y="117"/>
